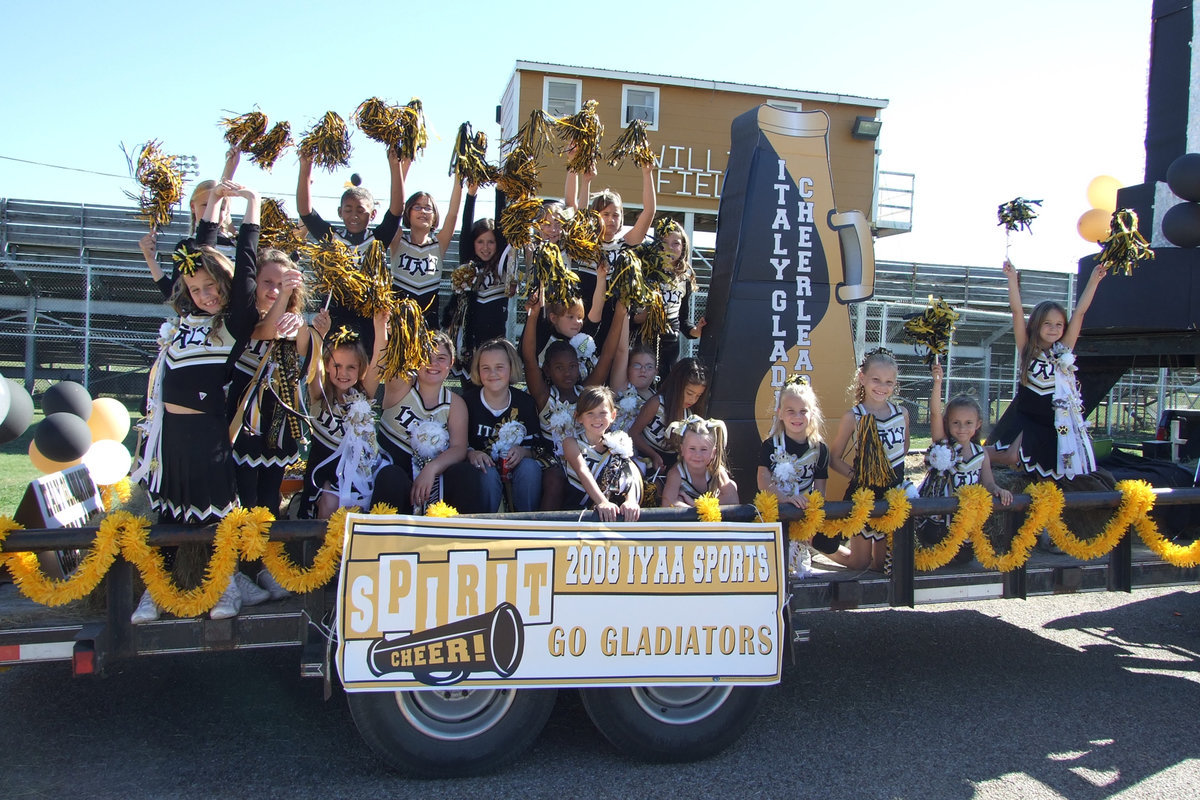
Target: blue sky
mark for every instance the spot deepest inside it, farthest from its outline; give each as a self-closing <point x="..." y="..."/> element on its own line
<point x="987" y="101"/>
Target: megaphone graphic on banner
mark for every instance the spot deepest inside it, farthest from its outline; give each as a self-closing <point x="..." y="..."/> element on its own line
<point x="491" y="642"/>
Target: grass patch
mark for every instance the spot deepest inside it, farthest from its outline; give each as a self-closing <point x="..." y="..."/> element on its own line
<point x="16" y="470"/>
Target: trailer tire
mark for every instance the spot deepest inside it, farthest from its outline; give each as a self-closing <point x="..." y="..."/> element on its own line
<point x="451" y="732"/>
<point x="672" y="723"/>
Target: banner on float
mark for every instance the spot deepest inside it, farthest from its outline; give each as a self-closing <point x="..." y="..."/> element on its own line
<point x="478" y="603"/>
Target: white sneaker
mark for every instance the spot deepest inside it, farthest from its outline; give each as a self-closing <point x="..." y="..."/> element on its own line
<point x="799" y="560"/>
<point x="248" y="589"/>
<point x="147" y="610"/>
<point x="267" y="581"/>
<point x="229" y="604"/>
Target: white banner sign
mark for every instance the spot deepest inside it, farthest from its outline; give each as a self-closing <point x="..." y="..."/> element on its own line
<point x="425" y="602"/>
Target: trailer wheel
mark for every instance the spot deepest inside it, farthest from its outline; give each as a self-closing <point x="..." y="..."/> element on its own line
<point x="672" y="723"/>
<point x="451" y="732"/>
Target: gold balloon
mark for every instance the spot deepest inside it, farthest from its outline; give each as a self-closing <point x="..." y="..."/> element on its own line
<point x="1102" y="193"/>
<point x="109" y="420"/>
<point x="1093" y="225"/>
<point x="45" y="465"/>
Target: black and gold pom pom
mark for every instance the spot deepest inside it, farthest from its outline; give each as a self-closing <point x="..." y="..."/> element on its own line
<point x="413" y="136"/>
<point x="581" y="237"/>
<point x="244" y="131"/>
<point x="1125" y="245"/>
<point x="518" y="177"/>
<point x="871" y="465"/>
<point x="932" y="329"/>
<point x="517" y="221"/>
<point x="633" y="144"/>
<point x="377" y="287"/>
<point x="409" y="345"/>
<point x="161" y="182"/>
<point x="551" y="273"/>
<point x="625" y="280"/>
<point x="581" y="132"/>
<point x="187" y="257"/>
<point x="336" y="268"/>
<point x="656" y="323"/>
<point x="267" y="150"/>
<point x="1017" y="214"/>
<point x="469" y="159"/>
<point x="327" y="143"/>
<point x="277" y="230"/>
<point x="379" y="121"/>
<point x="536" y="136"/>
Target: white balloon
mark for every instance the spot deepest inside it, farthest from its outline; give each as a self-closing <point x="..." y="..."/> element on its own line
<point x="108" y="461"/>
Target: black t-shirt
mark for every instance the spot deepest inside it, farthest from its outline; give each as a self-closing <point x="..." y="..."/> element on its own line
<point x="482" y="423"/>
<point x="811" y="464"/>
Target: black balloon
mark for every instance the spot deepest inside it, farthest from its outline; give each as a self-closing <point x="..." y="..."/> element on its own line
<point x="15" y="421"/>
<point x="69" y="397"/>
<point x="1181" y="225"/>
<point x="62" y="437"/>
<point x="1183" y="176"/>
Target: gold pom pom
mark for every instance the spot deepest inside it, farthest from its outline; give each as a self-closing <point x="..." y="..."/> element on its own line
<point x="582" y="133"/>
<point x="582" y="235"/>
<point x="517" y="220"/>
<point x="410" y="344"/>
<point x="441" y="509"/>
<point x="335" y="265"/>
<point x="377" y="292"/>
<point x="413" y="136"/>
<point x="708" y="507"/>
<point x="267" y="150"/>
<point x="1125" y="246"/>
<point x="625" y="280"/>
<point x="551" y="273"/>
<point x="242" y="132"/>
<point x="327" y="143"/>
<point x="932" y="329"/>
<point x="161" y="182"/>
<point x="276" y="229"/>
<point x="518" y="178"/>
<point x="380" y="121"/>
<point x="469" y="159"/>
<point x="536" y="136"/>
<point x="633" y="144"/>
<point x="1017" y="214"/>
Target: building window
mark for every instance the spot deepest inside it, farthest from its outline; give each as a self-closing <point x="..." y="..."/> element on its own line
<point x="786" y="105"/>
<point x="639" y="102"/>
<point x="560" y="96"/>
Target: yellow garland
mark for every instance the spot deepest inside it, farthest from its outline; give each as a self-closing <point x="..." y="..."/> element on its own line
<point x="164" y="592"/>
<point x="325" y="564"/>
<point x="864" y="500"/>
<point x="115" y="493"/>
<point x="27" y="573"/>
<point x="441" y="509"/>
<point x="899" y="508"/>
<point x="1174" y="554"/>
<point x="803" y="530"/>
<point x="1046" y="505"/>
<point x="974" y="508"/>
<point x="1134" y="504"/>
<point x="708" y="507"/>
<point x="767" y="504"/>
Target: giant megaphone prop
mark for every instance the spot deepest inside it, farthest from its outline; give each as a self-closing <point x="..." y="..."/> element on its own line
<point x="440" y="656"/>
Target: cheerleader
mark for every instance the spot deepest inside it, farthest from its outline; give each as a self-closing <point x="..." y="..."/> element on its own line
<point x="599" y="462"/>
<point x="417" y="254"/>
<point x="423" y="429"/>
<point x="702" y="464"/>
<point x="1049" y="435"/>
<point x="683" y="391"/>
<point x="343" y="456"/>
<point x="879" y="429"/>
<point x="478" y="311"/>
<point x="185" y="460"/>
<point x="356" y="211"/>
<point x="675" y="293"/>
<point x="956" y="460"/>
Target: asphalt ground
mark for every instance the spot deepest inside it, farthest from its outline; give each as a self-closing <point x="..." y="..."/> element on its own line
<point x="1079" y="696"/>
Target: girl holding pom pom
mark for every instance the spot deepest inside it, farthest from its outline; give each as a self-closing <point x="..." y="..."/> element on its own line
<point x="599" y="463"/>
<point x="794" y="462"/>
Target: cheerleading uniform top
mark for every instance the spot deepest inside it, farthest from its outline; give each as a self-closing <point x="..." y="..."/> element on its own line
<point x="396" y="421"/>
<point x="197" y="359"/>
<point x="329" y="423"/>
<point x="656" y="432"/>
<point x="483" y="421"/>
<point x="811" y="463"/>
<point x="596" y="463"/>
<point x="892" y="431"/>
<point x="686" y="487"/>
<point x="968" y="465"/>
<point x="417" y="268"/>
<point x="320" y="230"/>
<point x="1035" y="419"/>
<point x="556" y="403"/>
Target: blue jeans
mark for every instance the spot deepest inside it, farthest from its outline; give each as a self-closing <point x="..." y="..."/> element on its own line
<point x="526" y="480"/>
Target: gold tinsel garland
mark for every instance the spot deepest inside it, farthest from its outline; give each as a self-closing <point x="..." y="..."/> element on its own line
<point x="1125" y="245"/>
<point x="633" y="144"/>
<point x="767" y="505"/>
<point x="898" y="509"/>
<point x="115" y="494"/>
<point x="933" y="328"/>
<point x="33" y="583"/>
<point x="244" y="131"/>
<point x="708" y="507"/>
<point x="325" y="564"/>
<point x="862" y="501"/>
<point x="1135" y="503"/>
<point x="813" y="521"/>
<point x="161" y="182"/>
<point x="164" y="592"/>
<point x="1045" y="506"/>
<point x="267" y="150"/>
<point x="582" y="132"/>
<point x="327" y="143"/>
<point x="974" y="508"/>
